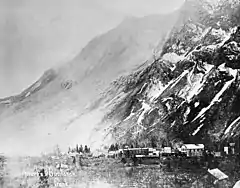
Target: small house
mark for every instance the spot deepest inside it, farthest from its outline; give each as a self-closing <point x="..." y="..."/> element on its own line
<point x="192" y="149"/>
<point x="167" y="150"/>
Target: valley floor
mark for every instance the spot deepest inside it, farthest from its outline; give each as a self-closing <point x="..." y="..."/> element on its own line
<point x="101" y="172"/>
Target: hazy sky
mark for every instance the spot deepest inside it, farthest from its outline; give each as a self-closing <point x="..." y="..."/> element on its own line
<point x="37" y="34"/>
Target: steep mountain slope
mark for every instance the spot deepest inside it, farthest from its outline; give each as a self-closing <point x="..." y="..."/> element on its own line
<point x="51" y="111"/>
<point x="191" y="93"/>
<point x="138" y="83"/>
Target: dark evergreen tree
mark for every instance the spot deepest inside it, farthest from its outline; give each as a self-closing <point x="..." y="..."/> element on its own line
<point x="120" y="146"/>
<point x="85" y="149"/>
<point x="153" y="142"/>
<point x="136" y="144"/>
<point x="81" y="149"/>
<point x="116" y="147"/>
<point x="77" y="149"/>
<point x="112" y="147"/>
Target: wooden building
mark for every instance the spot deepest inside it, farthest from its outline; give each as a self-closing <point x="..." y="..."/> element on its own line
<point x="192" y="149"/>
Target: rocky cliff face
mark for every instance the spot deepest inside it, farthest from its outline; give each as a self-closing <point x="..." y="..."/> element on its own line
<point x="191" y="91"/>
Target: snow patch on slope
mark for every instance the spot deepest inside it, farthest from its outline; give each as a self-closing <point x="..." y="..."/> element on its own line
<point x="197" y="130"/>
<point x="168" y="106"/>
<point x="196" y="104"/>
<point x="145" y="107"/>
<point x="155" y="91"/>
<point x="199" y="82"/>
<point x="195" y="83"/>
<point x="36" y="86"/>
<point x="175" y="82"/>
<point x="228" y="35"/>
<point x="27" y="94"/>
<point x="198" y="38"/>
<point x="142" y="88"/>
<point x="222" y="67"/>
<point x="172" y="57"/>
<point x="218" y="95"/>
<point x="185" y="115"/>
<point x="6" y="102"/>
<point x="131" y="115"/>
<point x="219" y="32"/>
<point x="158" y="89"/>
<point x="231" y="125"/>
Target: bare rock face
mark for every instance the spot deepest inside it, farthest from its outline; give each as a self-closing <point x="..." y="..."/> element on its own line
<point x="190" y="96"/>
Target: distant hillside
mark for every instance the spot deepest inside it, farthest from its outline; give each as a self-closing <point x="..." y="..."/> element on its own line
<point x="54" y="109"/>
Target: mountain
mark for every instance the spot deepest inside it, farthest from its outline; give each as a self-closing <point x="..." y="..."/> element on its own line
<point x="190" y="93"/>
<point x="55" y="109"/>
<point x="151" y="81"/>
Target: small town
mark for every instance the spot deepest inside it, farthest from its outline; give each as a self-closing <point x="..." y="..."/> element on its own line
<point x="189" y="165"/>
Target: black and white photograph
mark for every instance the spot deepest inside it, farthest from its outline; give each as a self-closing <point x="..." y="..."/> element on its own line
<point x="119" y="93"/>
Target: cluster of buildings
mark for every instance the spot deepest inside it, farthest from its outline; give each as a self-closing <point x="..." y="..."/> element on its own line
<point x="188" y="150"/>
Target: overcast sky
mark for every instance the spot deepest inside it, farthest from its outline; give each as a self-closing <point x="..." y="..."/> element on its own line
<point x="37" y="34"/>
